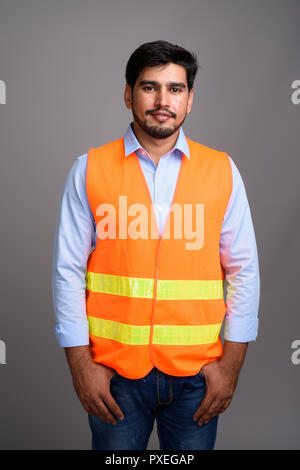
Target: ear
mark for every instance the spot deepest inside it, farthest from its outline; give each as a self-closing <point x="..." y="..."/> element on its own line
<point x="190" y="100"/>
<point x="128" y="96"/>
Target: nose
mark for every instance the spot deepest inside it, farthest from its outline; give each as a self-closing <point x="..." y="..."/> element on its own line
<point x="161" y="98"/>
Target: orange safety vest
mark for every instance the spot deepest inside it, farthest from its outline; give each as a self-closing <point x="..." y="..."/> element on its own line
<point x="149" y="300"/>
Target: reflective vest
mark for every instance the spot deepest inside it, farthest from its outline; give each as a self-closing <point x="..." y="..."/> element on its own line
<point x="150" y="301"/>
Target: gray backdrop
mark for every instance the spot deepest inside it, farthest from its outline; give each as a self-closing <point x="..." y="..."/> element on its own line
<point x="63" y="64"/>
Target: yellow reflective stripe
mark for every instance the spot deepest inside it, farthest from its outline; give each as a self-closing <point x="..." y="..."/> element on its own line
<point x="190" y="290"/>
<point x="120" y="285"/>
<point x="144" y="288"/>
<point x="121" y="332"/>
<point x="162" y="334"/>
<point x="186" y="335"/>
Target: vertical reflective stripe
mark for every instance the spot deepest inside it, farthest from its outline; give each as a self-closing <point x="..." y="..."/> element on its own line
<point x="190" y="290"/>
<point x="186" y="334"/>
<point x="120" y="285"/>
<point x="121" y="332"/>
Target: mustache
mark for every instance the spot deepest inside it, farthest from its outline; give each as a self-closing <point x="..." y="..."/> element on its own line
<point x="161" y="109"/>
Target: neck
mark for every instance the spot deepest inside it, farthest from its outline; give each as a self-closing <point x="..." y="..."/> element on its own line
<point x="155" y="147"/>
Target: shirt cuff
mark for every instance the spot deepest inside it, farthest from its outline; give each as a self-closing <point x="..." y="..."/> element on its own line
<point x="72" y="334"/>
<point x="240" y="331"/>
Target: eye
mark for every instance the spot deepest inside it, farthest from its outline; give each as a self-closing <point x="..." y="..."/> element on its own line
<point x="176" y="89"/>
<point x="148" y="87"/>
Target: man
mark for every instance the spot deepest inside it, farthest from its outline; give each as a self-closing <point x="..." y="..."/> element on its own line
<point x="139" y="306"/>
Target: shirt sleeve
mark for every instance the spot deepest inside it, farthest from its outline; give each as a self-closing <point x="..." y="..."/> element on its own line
<point x="239" y="257"/>
<point x="73" y="242"/>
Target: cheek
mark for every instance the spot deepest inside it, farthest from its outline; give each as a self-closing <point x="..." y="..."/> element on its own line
<point x="142" y="103"/>
<point x="181" y="107"/>
<point x="141" y="108"/>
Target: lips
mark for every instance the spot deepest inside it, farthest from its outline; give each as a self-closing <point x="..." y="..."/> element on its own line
<point x="161" y="114"/>
<point x="161" y="117"/>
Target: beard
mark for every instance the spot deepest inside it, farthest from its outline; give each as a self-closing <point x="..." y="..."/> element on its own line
<point x="156" y="131"/>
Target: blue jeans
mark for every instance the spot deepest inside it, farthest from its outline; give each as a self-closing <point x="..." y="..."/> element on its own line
<point x="171" y="400"/>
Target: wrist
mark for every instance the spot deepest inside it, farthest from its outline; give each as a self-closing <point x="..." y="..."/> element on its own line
<point x="233" y="356"/>
<point x="79" y="358"/>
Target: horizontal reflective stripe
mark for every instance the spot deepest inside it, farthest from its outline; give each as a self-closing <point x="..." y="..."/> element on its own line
<point x="189" y="290"/>
<point x="186" y="334"/>
<point x="120" y="285"/>
<point x="162" y="334"/>
<point x="144" y="288"/>
<point x="121" y="332"/>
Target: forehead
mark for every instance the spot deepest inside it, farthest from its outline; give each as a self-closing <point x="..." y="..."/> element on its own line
<point x="164" y="73"/>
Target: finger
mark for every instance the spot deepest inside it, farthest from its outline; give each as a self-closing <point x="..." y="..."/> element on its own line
<point x="89" y="406"/>
<point x="113" y="406"/>
<point x="216" y="410"/>
<point x="206" y="403"/>
<point x="212" y="411"/>
<point x="225" y="406"/>
<point x="90" y="409"/>
<point x="104" y="413"/>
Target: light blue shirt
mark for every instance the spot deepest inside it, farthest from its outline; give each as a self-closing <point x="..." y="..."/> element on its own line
<point x="75" y="238"/>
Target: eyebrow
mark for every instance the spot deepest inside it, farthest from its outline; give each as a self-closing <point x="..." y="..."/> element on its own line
<point x="153" y="82"/>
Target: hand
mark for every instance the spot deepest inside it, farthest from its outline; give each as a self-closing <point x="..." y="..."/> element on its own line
<point x="220" y="382"/>
<point x="92" y="385"/>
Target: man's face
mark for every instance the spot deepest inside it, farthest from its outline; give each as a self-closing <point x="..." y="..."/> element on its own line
<point x="160" y="99"/>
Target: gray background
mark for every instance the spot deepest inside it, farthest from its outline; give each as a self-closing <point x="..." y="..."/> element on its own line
<point x="63" y="63"/>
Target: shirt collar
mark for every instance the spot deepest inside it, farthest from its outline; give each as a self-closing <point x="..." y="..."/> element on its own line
<point x="132" y="144"/>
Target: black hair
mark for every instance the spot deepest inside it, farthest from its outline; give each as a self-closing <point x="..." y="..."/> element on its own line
<point x="160" y="53"/>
